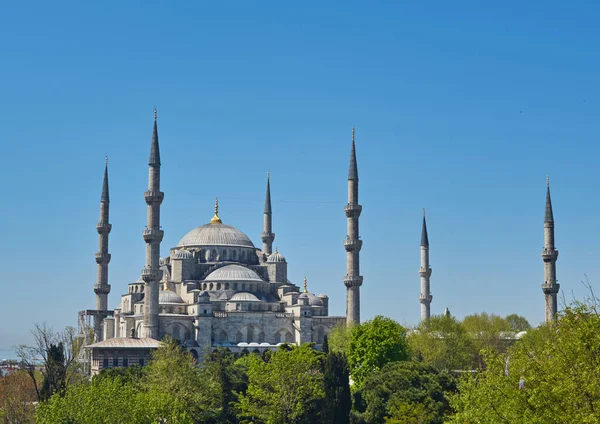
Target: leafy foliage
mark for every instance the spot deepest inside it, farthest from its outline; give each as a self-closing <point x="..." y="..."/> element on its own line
<point x="336" y="378"/>
<point x="552" y="375"/>
<point x="287" y="389"/>
<point x="373" y="344"/>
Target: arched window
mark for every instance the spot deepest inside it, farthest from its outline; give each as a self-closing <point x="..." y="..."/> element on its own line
<point x="226" y="286"/>
<point x="234" y="254"/>
<point x="261" y="337"/>
<point x="214" y="254"/>
<point x="288" y="337"/>
<point x="222" y="337"/>
<point x="235" y="286"/>
<point x="243" y="286"/>
<point x="218" y="286"/>
<point x="176" y="332"/>
<point x="207" y="255"/>
<point x="210" y="287"/>
<point x="224" y="255"/>
<point x="250" y="334"/>
<point x="239" y="337"/>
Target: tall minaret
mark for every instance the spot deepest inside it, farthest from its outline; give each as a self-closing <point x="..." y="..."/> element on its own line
<point x="549" y="255"/>
<point x="153" y="235"/>
<point x="102" y="288"/>
<point x="425" y="273"/>
<point x="268" y="235"/>
<point x="353" y="244"/>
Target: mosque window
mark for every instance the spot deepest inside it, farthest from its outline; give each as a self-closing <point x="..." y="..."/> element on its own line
<point x="207" y="256"/>
<point x="224" y="254"/>
<point x="238" y="337"/>
<point x="234" y="254"/>
<point x="176" y="332"/>
<point x="125" y="362"/>
<point x="218" y="286"/>
<point x="226" y="286"/>
<point x="243" y="286"/>
<point x="211" y="286"/>
<point x="105" y="363"/>
<point x="261" y="337"/>
<point x="214" y="255"/>
<point x="141" y="362"/>
<point x="235" y="286"/>
<point x="115" y="362"/>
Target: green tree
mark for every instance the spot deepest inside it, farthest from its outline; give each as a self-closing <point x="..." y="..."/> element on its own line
<point x="286" y="389"/>
<point x="408" y="392"/>
<point x="336" y="377"/>
<point x="55" y="377"/>
<point x="552" y="375"/>
<point x="517" y="323"/>
<point x="373" y="344"/>
<point x="488" y="332"/>
<point x="442" y="342"/>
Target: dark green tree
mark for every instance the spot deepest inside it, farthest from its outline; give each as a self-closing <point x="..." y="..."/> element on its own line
<point x="325" y="347"/>
<point x="56" y="373"/>
<point x="517" y="323"/>
<point x="336" y="378"/>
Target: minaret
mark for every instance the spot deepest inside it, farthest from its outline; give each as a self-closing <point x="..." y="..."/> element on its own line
<point x="353" y="244"/>
<point x="425" y="273"/>
<point x="268" y="235"/>
<point x="549" y="255"/>
<point x="153" y="235"/>
<point x="102" y="288"/>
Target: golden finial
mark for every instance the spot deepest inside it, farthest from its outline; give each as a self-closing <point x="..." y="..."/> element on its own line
<point x="154" y="113"/>
<point x="353" y="133"/>
<point x="423" y="212"/>
<point x="268" y="175"/>
<point x="215" y="219"/>
<point x="106" y="160"/>
<point x="305" y="285"/>
<point x="276" y="249"/>
<point x="547" y="181"/>
<point x="166" y="281"/>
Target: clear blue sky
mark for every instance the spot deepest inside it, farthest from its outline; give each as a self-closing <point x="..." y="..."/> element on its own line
<point x="459" y="107"/>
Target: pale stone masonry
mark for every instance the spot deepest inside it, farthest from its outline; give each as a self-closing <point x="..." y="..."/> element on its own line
<point x="353" y="244"/>
<point x="549" y="255"/>
<point x="153" y="235"/>
<point x="102" y="288"/>
<point x="425" y="273"/>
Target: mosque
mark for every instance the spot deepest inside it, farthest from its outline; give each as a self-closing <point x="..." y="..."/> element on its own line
<point x="215" y="288"/>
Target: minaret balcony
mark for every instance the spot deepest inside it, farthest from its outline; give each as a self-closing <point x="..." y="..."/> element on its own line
<point x="423" y="272"/>
<point x="154" y="196"/>
<point x="267" y="237"/>
<point x="550" y="288"/>
<point x="549" y="255"/>
<point x="153" y="236"/>
<point x="352" y="245"/>
<point x="426" y="300"/>
<point x="150" y="275"/>
<point x="102" y="258"/>
<point x="353" y="280"/>
<point x="102" y="288"/>
<point x="103" y="227"/>
<point x="353" y="210"/>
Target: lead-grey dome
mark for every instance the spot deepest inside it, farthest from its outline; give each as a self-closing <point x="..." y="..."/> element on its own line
<point x="244" y="297"/>
<point x="233" y="273"/>
<point x="183" y="254"/>
<point x="276" y="257"/>
<point x="216" y="235"/>
<point x="168" y="296"/>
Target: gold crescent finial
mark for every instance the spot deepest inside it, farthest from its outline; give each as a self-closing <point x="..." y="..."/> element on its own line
<point x="423" y="212"/>
<point x="154" y="113"/>
<point x="353" y="133"/>
<point x="106" y="160"/>
<point x="268" y="175"/>
<point x="215" y="219"/>
<point x="166" y="281"/>
<point x="547" y="181"/>
<point x="305" y="285"/>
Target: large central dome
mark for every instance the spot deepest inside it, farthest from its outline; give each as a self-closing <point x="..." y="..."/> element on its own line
<point x="215" y="234"/>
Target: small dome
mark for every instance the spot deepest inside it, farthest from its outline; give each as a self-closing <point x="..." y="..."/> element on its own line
<point x="312" y="299"/>
<point x="276" y="257"/>
<point x="183" y="254"/>
<point x="233" y="273"/>
<point x="168" y="296"/>
<point x="323" y="296"/>
<point x="216" y="235"/>
<point x="244" y="297"/>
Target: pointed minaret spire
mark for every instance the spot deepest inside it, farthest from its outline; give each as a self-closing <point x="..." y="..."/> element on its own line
<point x="353" y="280"/>
<point x="549" y="255"/>
<point x="425" y="272"/>
<point x="153" y="235"/>
<point x="154" y="149"/>
<point x="268" y="235"/>
<point x="105" y="196"/>
<point x="102" y="288"/>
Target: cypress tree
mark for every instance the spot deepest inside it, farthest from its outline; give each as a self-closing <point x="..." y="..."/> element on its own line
<point x="337" y="389"/>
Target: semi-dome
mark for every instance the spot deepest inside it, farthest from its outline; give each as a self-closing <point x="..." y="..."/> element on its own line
<point x="168" y="296"/>
<point x="183" y="254"/>
<point x="244" y="297"/>
<point x="312" y="299"/>
<point x="216" y="234"/>
<point x="233" y="273"/>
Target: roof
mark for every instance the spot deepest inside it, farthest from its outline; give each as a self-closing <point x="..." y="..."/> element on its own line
<point x="233" y="273"/>
<point x="244" y="297"/>
<point x="126" y="343"/>
<point x="549" y="216"/>
<point x="216" y="235"/>
<point x="168" y="296"/>
<point x="424" y="238"/>
<point x="353" y="170"/>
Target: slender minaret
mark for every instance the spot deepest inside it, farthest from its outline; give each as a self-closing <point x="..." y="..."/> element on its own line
<point x="353" y="244"/>
<point x="102" y="288"/>
<point x="425" y="273"/>
<point x="153" y="235"/>
<point x="549" y="255"/>
<point x="268" y="235"/>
